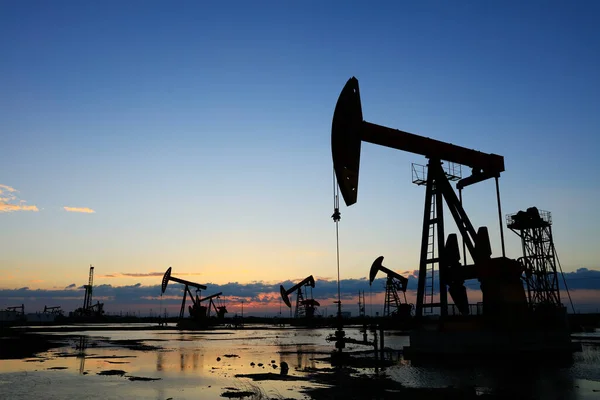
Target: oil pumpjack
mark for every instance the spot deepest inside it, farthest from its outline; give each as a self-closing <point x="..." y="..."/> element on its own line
<point x="395" y="307"/>
<point x="306" y="306"/>
<point x="199" y="314"/>
<point x="505" y="326"/>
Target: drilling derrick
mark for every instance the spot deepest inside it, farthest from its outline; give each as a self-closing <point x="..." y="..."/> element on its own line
<point x="361" y="304"/>
<point x="394" y="306"/>
<point x="534" y="227"/>
<point x="89" y="310"/>
<point x="87" y="298"/>
<point x="306" y="306"/>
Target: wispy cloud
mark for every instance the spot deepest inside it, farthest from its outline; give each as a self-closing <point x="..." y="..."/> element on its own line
<point x="141" y="275"/>
<point x="84" y="210"/>
<point x="9" y="202"/>
<point x="4" y="207"/>
<point x="144" y="274"/>
<point x="8" y="189"/>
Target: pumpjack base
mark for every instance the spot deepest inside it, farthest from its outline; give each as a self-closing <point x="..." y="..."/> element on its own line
<point x="469" y="342"/>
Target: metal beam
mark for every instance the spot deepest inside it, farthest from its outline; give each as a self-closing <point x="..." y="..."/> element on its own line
<point x="192" y="284"/>
<point x="433" y="149"/>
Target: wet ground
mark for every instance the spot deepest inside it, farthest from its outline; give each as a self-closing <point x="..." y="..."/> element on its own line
<point x="247" y="364"/>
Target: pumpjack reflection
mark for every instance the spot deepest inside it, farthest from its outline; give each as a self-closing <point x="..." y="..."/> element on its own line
<point x="191" y="361"/>
<point x="159" y="361"/>
<point x="187" y="360"/>
<point x="81" y="346"/>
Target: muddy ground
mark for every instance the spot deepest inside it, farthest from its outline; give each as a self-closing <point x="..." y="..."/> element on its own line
<point x="117" y="359"/>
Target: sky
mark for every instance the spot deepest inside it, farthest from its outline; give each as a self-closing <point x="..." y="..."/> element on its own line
<point x="146" y="134"/>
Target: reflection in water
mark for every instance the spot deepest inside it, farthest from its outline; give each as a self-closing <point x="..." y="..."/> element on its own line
<point x="518" y="378"/>
<point x="299" y="360"/>
<point x="526" y="380"/>
<point x="189" y="359"/>
<point x="159" y="360"/>
<point x="189" y="363"/>
<point x="81" y="346"/>
<point x="300" y="356"/>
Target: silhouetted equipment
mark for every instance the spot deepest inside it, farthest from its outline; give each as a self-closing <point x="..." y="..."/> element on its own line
<point x="305" y="307"/>
<point x="53" y="310"/>
<point x="534" y="227"/>
<point x="16" y="309"/>
<point x="361" y="304"/>
<point x="87" y="299"/>
<point x="200" y="311"/>
<point x="499" y="276"/>
<point x="195" y="300"/>
<point x="88" y="309"/>
<point x="505" y="304"/>
<point x="394" y="306"/>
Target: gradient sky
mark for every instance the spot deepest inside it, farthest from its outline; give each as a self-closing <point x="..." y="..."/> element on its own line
<point x="199" y="134"/>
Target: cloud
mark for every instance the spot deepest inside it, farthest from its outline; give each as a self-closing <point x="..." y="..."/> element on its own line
<point x="144" y="274"/>
<point x="84" y="210"/>
<point x="7" y="189"/>
<point x="141" y="275"/>
<point x="263" y="298"/>
<point x="14" y="207"/>
<point x="9" y="202"/>
<point x="583" y="278"/>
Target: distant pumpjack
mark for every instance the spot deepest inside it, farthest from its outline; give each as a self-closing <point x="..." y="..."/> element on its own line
<point x="195" y="300"/>
<point x="199" y="311"/>
<point x="16" y="310"/>
<point x="393" y="306"/>
<point x="56" y="310"/>
<point x="305" y="308"/>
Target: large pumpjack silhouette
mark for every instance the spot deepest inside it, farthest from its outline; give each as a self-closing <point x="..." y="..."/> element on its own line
<point x="505" y="325"/>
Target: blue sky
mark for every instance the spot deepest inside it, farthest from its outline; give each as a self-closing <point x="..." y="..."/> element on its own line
<point x="199" y="133"/>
